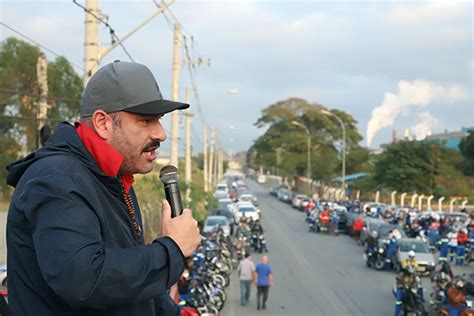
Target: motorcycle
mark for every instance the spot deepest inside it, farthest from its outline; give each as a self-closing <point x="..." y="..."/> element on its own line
<point x="261" y="244"/>
<point x="412" y="302"/>
<point x="375" y="259"/>
<point x="459" y="296"/>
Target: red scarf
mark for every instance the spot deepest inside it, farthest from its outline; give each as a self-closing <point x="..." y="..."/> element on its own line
<point x="108" y="159"/>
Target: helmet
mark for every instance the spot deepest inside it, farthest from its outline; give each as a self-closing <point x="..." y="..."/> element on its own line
<point x="411" y="254"/>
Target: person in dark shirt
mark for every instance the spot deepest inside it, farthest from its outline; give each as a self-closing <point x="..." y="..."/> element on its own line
<point x="264" y="282"/>
<point x="74" y="231"/>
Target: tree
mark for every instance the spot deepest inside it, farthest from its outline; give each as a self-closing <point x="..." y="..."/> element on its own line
<point x="284" y="145"/>
<point x="408" y="167"/>
<point x="467" y="150"/>
<point x="18" y="99"/>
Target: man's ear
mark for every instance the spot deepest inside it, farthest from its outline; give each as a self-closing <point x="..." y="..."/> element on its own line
<point x="102" y="124"/>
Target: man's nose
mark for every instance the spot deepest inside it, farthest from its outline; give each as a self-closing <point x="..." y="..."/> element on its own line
<point x="158" y="131"/>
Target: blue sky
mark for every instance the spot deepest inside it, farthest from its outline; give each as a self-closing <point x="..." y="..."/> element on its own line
<point x="349" y="55"/>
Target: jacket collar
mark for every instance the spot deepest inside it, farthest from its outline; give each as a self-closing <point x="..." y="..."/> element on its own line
<point x="108" y="159"/>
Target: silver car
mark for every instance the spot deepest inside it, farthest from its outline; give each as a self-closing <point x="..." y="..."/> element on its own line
<point x="215" y="221"/>
<point x="423" y="256"/>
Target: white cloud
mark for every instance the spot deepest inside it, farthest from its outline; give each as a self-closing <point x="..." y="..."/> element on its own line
<point x="425" y="126"/>
<point x="411" y="94"/>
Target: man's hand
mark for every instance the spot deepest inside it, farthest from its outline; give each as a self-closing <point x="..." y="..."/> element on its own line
<point x="183" y="229"/>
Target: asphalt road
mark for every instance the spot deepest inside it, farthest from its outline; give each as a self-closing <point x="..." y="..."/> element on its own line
<point x="313" y="274"/>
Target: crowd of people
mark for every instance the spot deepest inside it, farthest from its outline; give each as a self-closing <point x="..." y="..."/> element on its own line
<point x="450" y="236"/>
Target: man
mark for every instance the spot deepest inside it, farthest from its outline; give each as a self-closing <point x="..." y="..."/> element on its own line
<point x="407" y="278"/>
<point x="391" y="248"/>
<point x="74" y="232"/>
<point x="334" y="222"/>
<point x="453" y="244"/>
<point x="443" y="246"/>
<point x="462" y="239"/>
<point x="246" y="271"/>
<point x="264" y="282"/>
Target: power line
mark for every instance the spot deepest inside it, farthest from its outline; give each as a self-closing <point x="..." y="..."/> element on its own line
<point x="107" y="25"/>
<point x="32" y="94"/>
<point x="38" y="44"/>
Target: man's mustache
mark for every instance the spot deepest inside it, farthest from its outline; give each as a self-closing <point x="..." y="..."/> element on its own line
<point x="153" y="145"/>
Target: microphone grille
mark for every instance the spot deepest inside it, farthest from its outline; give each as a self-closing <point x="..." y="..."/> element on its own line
<point x="169" y="174"/>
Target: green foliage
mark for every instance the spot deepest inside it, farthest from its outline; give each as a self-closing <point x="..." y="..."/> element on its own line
<point x="18" y="97"/>
<point x="65" y="88"/>
<point x="408" y="167"/>
<point x="284" y="145"/>
<point x="467" y="150"/>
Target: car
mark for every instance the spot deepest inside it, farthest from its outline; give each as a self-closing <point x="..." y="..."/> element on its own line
<point x="227" y="203"/>
<point x="222" y="187"/>
<point x="423" y="256"/>
<point x="223" y="211"/>
<point x="221" y="195"/>
<point x="384" y="229"/>
<point x="373" y="207"/>
<point x="246" y="197"/>
<point x="285" y="195"/>
<point x="248" y="209"/>
<point x="274" y="190"/>
<point x="304" y="203"/>
<point x="214" y="221"/>
<point x="296" y="202"/>
<point x="371" y="225"/>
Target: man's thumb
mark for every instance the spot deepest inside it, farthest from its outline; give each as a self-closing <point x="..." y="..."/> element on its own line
<point x="166" y="210"/>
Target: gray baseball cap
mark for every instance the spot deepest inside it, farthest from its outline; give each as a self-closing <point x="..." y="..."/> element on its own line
<point x="125" y="86"/>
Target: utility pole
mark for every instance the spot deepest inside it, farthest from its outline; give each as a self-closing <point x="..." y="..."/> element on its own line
<point x="91" y="40"/>
<point x="211" y="157"/>
<point x="93" y="52"/>
<point x="206" y="187"/>
<point x="188" y="142"/>
<point x="216" y="164"/>
<point x="175" y="92"/>
<point x="42" y="106"/>
<point x="220" y="166"/>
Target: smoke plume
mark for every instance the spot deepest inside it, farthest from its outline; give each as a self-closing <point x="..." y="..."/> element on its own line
<point x="411" y="94"/>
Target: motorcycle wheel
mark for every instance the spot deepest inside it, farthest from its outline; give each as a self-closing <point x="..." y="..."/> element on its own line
<point x="380" y="264"/>
<point x="211" y="310"/>
<point x="419" y="310"/>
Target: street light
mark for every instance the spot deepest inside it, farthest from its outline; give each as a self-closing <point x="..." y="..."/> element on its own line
<point x="325" y="112"/>
<point x="296" y="123"/>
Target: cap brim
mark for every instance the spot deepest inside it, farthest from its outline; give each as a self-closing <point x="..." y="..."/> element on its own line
<point x="158" y="107"/>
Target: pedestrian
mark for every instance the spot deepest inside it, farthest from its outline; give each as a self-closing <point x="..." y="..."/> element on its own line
<point x="453" y="244"/>
<point x="264" y="282"/>
<point x="74" y="232"/>
<point x="443" y="245"/>
<point x="246" y="271"/>
<point x="463" y="239"/>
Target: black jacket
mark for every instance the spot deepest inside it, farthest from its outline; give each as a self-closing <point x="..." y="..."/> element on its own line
<point x="72" y="249"/>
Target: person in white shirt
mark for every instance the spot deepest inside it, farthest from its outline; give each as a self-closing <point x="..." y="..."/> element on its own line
<point x="453" y="244"/>
<point x="246" y="273"/>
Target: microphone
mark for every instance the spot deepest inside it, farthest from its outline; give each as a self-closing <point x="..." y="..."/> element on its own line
<point x="169" y="175"/>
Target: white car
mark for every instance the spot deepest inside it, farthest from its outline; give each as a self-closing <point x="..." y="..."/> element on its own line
<point x="248" y="209"/>
<point x="228" y="203"/>
<point x="212" y="222"/>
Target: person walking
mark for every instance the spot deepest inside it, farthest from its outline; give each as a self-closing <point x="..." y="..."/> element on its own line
<point x="264" y="282"/>
<point x="246" y="271"/>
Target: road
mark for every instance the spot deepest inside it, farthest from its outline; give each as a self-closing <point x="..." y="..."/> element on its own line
<point x="314" y="274"/>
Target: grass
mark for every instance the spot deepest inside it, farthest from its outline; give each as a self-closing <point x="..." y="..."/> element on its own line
<point x="4" y="205"/>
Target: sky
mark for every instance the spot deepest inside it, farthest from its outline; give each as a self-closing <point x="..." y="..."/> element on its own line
<point x="392" y="65"/>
